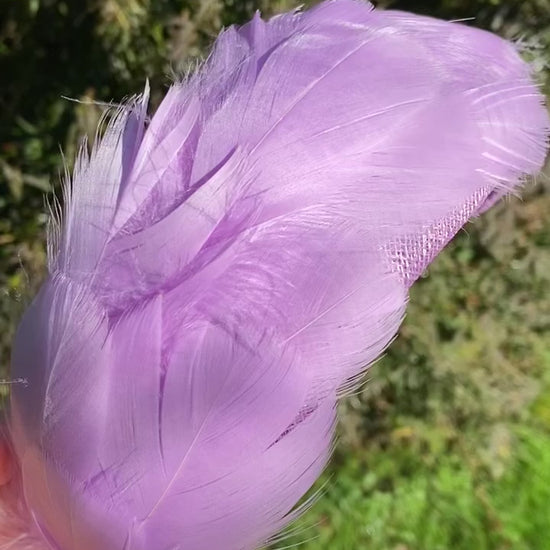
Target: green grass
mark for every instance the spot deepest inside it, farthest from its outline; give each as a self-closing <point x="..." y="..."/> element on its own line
<point x="388" y="502"/>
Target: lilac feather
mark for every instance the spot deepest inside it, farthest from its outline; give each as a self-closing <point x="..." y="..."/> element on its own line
<point x="223" y="273"/>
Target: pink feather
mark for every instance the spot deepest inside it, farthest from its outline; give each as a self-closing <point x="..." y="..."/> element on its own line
<point x="224" y="273"/>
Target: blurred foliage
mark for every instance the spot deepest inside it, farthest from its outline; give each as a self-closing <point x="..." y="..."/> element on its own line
<point x="396" y="500"/>
<point x="448" y="445"/>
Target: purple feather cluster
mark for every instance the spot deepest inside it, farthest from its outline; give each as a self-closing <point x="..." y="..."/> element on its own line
<point x="224" y="273"/>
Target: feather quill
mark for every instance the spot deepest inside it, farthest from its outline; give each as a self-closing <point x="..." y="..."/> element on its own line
<point x="222" y="274"/>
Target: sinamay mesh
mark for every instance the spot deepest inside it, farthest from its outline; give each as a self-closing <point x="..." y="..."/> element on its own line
<point x="410" y="254"/>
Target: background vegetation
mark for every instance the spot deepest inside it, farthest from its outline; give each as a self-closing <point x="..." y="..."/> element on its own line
<point x="448" y="445"/>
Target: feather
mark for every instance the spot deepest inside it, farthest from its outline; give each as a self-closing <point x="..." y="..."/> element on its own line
<point x="225" y="273"/>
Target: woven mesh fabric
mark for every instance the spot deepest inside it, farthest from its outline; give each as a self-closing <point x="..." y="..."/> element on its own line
<point x="410" y="254"/>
